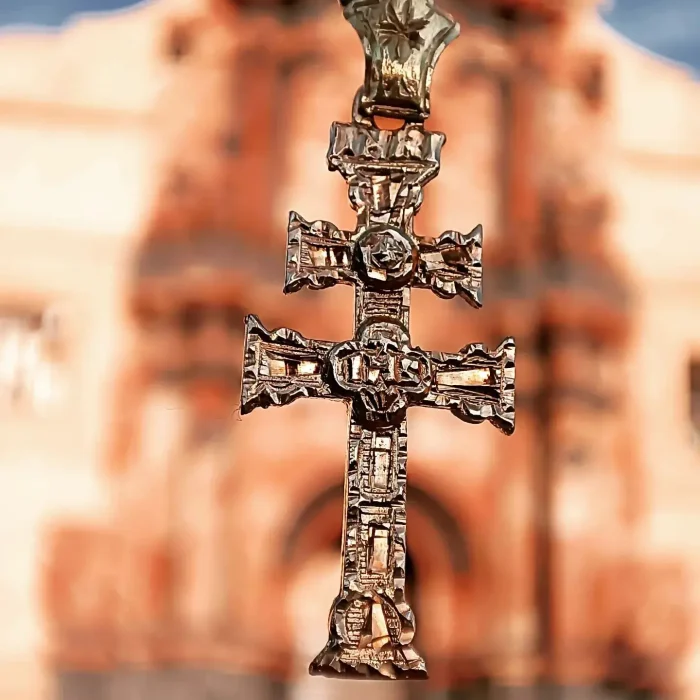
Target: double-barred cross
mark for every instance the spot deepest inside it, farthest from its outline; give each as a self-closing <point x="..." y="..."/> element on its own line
<point x="379" y="373"/>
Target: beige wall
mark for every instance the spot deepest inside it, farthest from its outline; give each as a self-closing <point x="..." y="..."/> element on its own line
<point x="75" y="182"/>
<point x="657" y="180"/>
<point x="657" y="183"/>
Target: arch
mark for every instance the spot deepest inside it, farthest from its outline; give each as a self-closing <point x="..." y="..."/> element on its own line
<point x="445" y="523"/>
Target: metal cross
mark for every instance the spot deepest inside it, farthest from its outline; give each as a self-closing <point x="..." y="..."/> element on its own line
<point x="379" y="373"/>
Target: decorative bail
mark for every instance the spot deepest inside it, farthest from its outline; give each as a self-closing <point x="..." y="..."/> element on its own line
<point x="403" y="40"/>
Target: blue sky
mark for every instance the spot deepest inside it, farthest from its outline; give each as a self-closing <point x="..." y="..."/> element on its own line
<point x="667" y="27"/>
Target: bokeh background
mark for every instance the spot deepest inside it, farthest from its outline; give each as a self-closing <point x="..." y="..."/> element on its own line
<point x="153" y="544"/>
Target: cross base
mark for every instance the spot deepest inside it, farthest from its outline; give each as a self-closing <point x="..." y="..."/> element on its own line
<point x="397" y="662"/>
<point x="370" y="638"/>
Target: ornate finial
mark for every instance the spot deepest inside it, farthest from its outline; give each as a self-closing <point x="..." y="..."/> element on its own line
<point x="403" y="40"/>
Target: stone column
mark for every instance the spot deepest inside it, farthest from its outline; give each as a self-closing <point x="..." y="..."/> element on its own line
<point x="142" y="517"/>
<point x="516" y="536"/>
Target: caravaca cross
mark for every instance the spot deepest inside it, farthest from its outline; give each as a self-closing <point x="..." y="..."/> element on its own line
<point x="379" y="373"/>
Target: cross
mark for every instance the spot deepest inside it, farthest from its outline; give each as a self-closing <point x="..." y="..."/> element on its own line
<point x="379" y="373"/>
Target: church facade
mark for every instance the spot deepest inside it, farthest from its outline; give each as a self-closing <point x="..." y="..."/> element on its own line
<point x="171" y="548"/>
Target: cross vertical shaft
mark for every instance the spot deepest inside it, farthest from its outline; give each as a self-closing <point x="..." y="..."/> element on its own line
<point x="378" y="372"/>
<point x="372" y="625"/>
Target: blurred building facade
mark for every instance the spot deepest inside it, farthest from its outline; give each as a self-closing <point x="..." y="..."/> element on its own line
<point x="157" y="546"/>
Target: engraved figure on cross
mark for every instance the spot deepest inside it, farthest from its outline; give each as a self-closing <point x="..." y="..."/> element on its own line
<point x="378" y="372"/>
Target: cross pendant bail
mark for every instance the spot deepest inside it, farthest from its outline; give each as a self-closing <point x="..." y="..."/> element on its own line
<point x="402" y="40"/>
<point x="378" y="372"/>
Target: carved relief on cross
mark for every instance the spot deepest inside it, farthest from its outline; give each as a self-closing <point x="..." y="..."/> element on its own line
<point x="385" y="172"/>
<point x="380" y="374"/>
